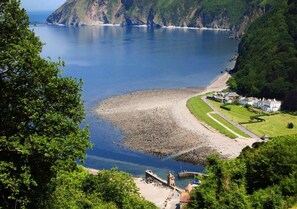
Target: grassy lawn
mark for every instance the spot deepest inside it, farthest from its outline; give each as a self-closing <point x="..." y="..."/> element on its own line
<point x="275" y="125"/>
<point x="229" y="125"/>
<point x="237" y="113"/>
<point x="199" y="109"/>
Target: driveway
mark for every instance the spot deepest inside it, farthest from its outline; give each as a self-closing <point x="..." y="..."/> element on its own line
<point x="240" y="127"/>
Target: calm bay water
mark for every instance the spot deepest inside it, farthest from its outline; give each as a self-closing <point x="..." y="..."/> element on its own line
<point x="115" y="60"/>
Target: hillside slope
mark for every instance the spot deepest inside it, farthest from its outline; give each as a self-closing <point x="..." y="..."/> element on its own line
<point x="227" y="14"/>
<point x="267" y="62"/>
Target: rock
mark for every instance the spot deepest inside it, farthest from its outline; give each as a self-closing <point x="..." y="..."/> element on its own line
<point x="131" y="21"/>
<point x="155" y="15"/>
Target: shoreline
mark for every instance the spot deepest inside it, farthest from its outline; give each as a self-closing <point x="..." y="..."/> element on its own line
<point x="142" y="26"/>
<point x="158" y="122"/>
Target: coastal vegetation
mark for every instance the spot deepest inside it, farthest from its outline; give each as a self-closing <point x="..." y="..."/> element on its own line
<point x="235" y="9"/>
<point x="110" y="189"/>
<point x="266" y="65"/>
<point x="200" y="110"/>
<point x="262" y="177"/>
<point x="42" y="130"/>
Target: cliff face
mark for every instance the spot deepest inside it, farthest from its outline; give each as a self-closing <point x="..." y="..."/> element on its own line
<point x="232" y="14"/>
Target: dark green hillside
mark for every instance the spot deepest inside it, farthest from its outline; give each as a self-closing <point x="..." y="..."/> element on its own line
<point x="267" y="63"/>
<point x="234" y="8"/>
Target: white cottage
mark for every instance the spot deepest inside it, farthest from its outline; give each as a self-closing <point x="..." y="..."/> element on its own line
<point x="248" y="101"/>
<point x="267" y="105"/>
<point x="271" y="105"/>
<point x="231" y="97"/>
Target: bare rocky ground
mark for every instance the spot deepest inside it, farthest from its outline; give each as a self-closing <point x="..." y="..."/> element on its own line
<point x="197" y="156"/>
<point x="158" y="122"/>
<point x="149" y="125"/>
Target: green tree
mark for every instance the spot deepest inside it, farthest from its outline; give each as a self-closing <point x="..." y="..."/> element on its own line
<point x="290" y="125"/>
<point x="108" y="189"/>
<point x="290" y="101"/>
<point x="117" y="187"/>
<point x="271" y="163"/>
<point x="270" y="198"/>
<point x="262" y="177"/>
<point x="232" y="83"/>
<point x="266" y="65"/>
<point x="69" y="192"/>
<point x="40" y="117"/>
<point x="224" y="187"/>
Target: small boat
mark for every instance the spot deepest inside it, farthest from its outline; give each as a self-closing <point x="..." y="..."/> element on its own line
<point x="196" y="181"/>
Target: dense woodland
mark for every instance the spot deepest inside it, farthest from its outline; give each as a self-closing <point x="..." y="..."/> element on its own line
<point x="41" y="130"/>
<point x="267" y="62"/>
<point x="262" y="177"/>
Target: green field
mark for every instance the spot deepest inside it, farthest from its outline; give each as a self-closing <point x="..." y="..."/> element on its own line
<point x="274" y="125"/>
<point x="237" y="113"/>
<point x="199" y="109"/>
<point x="229" y="125"/>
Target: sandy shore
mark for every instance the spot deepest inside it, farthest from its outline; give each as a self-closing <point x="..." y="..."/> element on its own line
<point x="163" y="197"/>
<point x="159" y="123"/>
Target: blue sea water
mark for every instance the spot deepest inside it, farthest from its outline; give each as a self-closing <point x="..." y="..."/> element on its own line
<point x="116" y="60"/>
<point x="38" y="17"/>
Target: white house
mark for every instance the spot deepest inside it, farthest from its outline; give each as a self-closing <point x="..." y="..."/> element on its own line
<point x="267" y="105"/>
<point x="271" y="105"/>
<point x="231" y="97"/>
<point x="248" y="101"/>
<point x="218" y="96"/>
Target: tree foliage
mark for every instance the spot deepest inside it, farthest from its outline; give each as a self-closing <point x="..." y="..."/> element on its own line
<point x="108" y="189"/>
<point x="224" y="187"/>
<point x="41" y="134"/>
<point x="40" y="116"/>
<point x="117" y="187"/>
<point x="290" y="125"/>
<point x="262" y="177"/>
<point x="69" y="193"/>
<point x="266" y="65"/>
<point x="270" y="163"/>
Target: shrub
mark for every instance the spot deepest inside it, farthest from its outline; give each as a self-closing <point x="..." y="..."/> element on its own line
<point x="225" y="106"/>
<point x="290" y="125"/>
<point x="258" y="118"/>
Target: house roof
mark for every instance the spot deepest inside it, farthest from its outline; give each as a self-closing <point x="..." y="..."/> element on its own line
<point x="185" y="197"/>
<point x="233" y="94"/>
